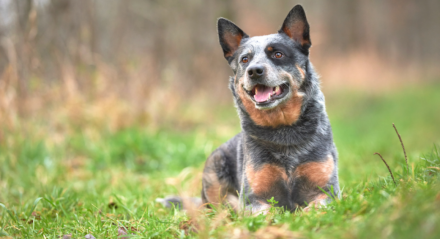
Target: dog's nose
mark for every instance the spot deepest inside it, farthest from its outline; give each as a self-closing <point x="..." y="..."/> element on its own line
<point x="256" y="71"/>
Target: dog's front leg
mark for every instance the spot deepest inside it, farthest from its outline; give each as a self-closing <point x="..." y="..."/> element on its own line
<point x="260" y="183"/>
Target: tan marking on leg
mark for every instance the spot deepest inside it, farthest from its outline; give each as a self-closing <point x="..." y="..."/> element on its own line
<point x="284" y="114"/>
<point x="316" y="172"/>
<point x="262" y="180"/>
<point x="213" y="191"/>
<point x="301" y="71"/>
<point x="216" y="191"/>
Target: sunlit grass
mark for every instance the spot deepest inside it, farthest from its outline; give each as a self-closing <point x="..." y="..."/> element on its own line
<point x="90" y="178"/>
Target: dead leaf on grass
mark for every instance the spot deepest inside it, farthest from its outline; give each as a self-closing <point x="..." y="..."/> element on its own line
<point x="89" y="236"/>
<point x="67" y="236"/>
<point x="112" y="205"/>
<point x="123" y="231"/>
<point x="36" y="215"/>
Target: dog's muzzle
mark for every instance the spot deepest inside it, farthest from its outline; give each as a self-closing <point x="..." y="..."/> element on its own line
<point x="264" y="95"/>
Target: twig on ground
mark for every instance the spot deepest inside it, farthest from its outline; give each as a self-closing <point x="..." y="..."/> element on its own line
<point x="392" y="176"/>
<point x="403" y="147"/>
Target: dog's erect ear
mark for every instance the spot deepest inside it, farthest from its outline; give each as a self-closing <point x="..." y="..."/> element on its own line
<point x="297" y="28"/>
<point x="230" y="37"/>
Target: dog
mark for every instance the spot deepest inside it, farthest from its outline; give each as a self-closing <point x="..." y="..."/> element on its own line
<point x="285" y="150"/>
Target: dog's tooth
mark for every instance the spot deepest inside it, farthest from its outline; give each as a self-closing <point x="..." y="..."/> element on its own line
<point x="277" y="88"/>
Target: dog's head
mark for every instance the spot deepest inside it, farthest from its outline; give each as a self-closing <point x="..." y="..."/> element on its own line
<point x="269" y="70"/>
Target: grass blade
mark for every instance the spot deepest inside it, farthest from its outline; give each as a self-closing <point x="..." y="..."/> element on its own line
<point x="9" y="212"/>
<point x="403" y="147"/>
<point x="34" y="206"/>
<point x="385" y="162"/>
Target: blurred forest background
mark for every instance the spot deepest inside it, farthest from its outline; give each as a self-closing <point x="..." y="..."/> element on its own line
<point x="150" y="62"/>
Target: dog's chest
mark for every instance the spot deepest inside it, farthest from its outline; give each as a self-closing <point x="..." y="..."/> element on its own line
<point x="287" y="159"/>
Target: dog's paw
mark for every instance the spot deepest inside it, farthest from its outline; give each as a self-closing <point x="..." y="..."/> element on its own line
<point x="319" y="204"/>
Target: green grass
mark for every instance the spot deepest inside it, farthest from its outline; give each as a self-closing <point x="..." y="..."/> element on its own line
<point x="92" y="180"/>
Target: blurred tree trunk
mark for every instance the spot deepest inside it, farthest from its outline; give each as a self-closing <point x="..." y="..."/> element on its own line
<point x="343" y="25"/>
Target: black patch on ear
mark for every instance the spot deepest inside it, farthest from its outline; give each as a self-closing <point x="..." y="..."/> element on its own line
<point x="297" y="28"/>
<point x="230" y="37"/>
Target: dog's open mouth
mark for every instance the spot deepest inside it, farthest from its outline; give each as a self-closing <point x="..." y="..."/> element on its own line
<point x="263" y="95"/>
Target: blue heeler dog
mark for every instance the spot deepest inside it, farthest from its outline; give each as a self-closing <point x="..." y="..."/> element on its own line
<point x="286" y="148"/>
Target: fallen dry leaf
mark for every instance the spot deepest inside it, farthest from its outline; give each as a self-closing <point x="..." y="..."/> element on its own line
<point x="122" y="231"/>
<point x="67" y="236"/>
<point x="89" y="236"/>
<point x="112" y="205"/>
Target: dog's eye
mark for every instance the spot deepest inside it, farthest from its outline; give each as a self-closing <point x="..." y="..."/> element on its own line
<point x="244" y="59"/>
<point x="278" y="55"/>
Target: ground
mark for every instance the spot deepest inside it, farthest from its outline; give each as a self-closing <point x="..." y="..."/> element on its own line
<point x="74" y="179"/>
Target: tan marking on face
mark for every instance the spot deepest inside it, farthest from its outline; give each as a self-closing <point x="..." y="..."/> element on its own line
<point x="316" y="172"/>
<point x="270" y="48"/>
<point x="286" y="113"/>
<point x="301" y="71"/>
<point x="233" y="41"/>
<point x="262" y="180"/>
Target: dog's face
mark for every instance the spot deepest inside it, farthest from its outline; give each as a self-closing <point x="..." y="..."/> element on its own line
<point x="270" y="69"/>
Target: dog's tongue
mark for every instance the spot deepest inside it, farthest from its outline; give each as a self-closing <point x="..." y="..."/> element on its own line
<point x="262" y="93"/>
